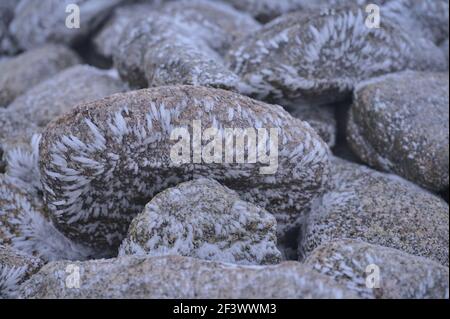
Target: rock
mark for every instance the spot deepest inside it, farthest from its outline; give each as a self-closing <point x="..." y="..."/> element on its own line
<point x="59" y="94"/>
<point x="380" y="209"/>
<point x="24" y="225"/>
<point x="320" y="117"/>
<point x="315" y="56"/>
<point x="354" y="264"/>
<point x="32" y="67"/>
<point x="206" y="220"/>
<point x="180" y="277"/>
<point x="444" y="48"/>
<point x="103" y="161"/>
<point x="181" y="44"/>
<point x="399" y="123"/>
<point x="15" y="268"/>
<point x="37" y="23"/>
<point x="7" y="44"/>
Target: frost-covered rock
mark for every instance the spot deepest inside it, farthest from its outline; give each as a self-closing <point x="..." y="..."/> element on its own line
<point x="59" y="94"/>
<point x="103" y="161"/>
<point x="181" y="44"/>
<point x="39" y="22"/>
<point x="320" y="55"/>
<point x="181" y="277"/>
<point x="400" y="123"/>
<point x="206" y="220"/>
<point x="380" y="209"/>
<point x="24" y="71"/>
<point x="15" y="268"/>
<point x="320" y="117"/>
<point x="24" y="224"/>
<point x="356" y="265"/>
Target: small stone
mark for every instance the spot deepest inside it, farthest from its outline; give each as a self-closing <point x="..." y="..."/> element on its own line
<point x="15" y="268"/>
<point x="45" y="21"/>
<point x="356" y="265"/>
<point x="25" y="227"/>
<point x="102" y="162"/>
<point x="320" y="117"/>
<point x="379" y="209"/>
<point x="308" y="56"/>
<point x="400" y="123"/>
<point x="24" y="71"/>
<point x="206" y="220"/>
<point x="181" y="277"/>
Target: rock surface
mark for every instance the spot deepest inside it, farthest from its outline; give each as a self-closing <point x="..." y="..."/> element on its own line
<point x="316" y="55"/>
<point x="24" y="71"/>
<point x="206" y="220"/>
<point x="40" y="22"/>
<point x="400" y="123"/>
<point x="103" y="161"/>
<point x="355" y="265"/>
<point x="15" y="268"/>
<point x="181" y="277"/>
<point x="380" y="209"/>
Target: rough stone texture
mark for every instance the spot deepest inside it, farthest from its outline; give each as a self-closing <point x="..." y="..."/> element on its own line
<point x="402" y="276"/>
<point x="181" y="277"/>
<point x="15" y="268"/>
<point x="400" y="123"/>
<point x="102" y="162"/>
<point x="7" y="44"/>
<point x="22" y="72"/>
<point x="59" y="94"/>
<point x="24" y="225"/>
<point x="316" y="55"/>
<point x="39" y="22"/>
<point x="181" y="44"/>
<point x="321" y="118"/>
<point x="380" y="209"/>
<point x="206" y="220"/>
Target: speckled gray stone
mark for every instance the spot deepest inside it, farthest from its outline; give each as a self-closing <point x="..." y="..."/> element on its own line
<point x="22" y="72"/>
<point x="24" y="225"/>
<point x="15" y="268"/>
<point x="181" y="44"/>
<point x="206" y="220"/>
<point x="316" y="55"/>
<point x="320" y="117"/>
<point x="181" y="277"/>
<point x="103" y="161"/>
<point x="400" y="123"/>
<point x="401" y="276"/>
<point x="380" y="209"/>
<point x="39" y="22"/>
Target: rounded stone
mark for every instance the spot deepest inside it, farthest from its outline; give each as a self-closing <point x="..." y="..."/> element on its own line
<point x="206" y="220"/>
<point x="380" y="209"/>
<point x="400" y="123"/>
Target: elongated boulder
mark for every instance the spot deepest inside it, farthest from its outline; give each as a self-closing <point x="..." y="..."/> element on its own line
<point x="15" y="268"/>
<point x="102" y="162"/>
<point x="400" y="123"/>
<point x="380" y="209"/>
<point x="320" y="55"/>
<point x="373" y="271"/>
<point x="24" y="71"/>
<point x="206" y="220"/>
<point x="178" y="277"/>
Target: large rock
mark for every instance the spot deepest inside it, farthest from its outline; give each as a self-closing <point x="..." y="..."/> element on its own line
<point x="400" y="123"/>
<point x="317" y="55"/>
<point x="40" y="22"/>
<point x="15" y="268"/>
<point x="206" y="220"/>
<point x="373" y="271"/>
<point x="103" y="161"/>
<point x="24" y="71"/>
<point x="380" y="209"/>
<point x="178" y="277"/>
<point x="24" y="225"/>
